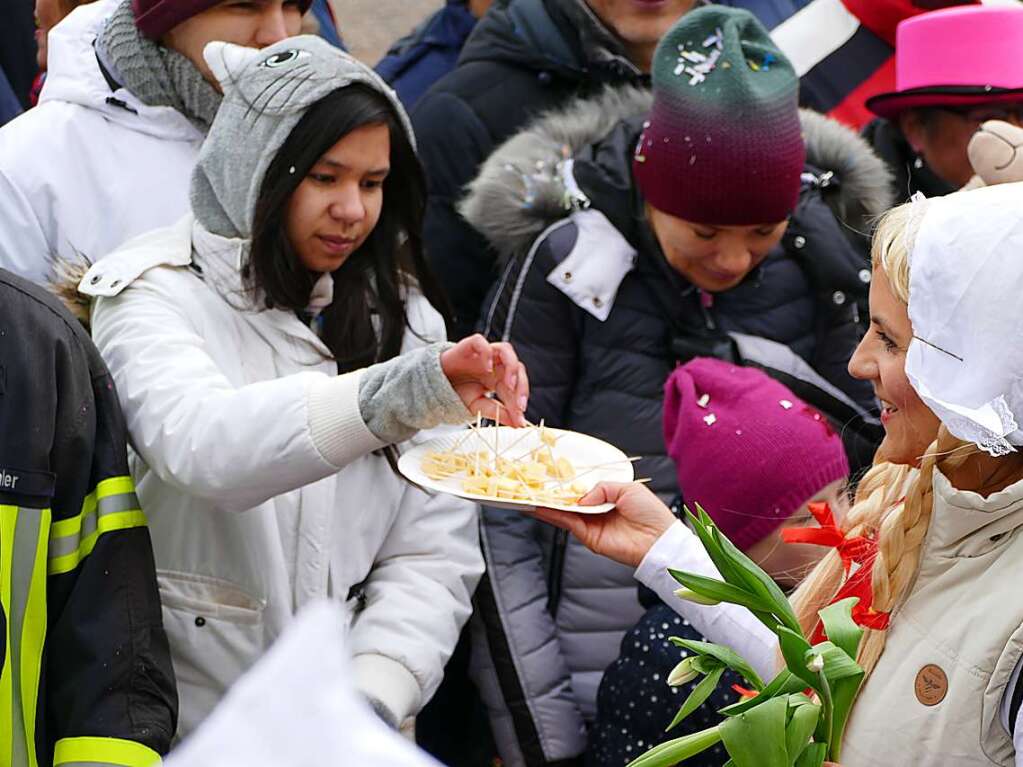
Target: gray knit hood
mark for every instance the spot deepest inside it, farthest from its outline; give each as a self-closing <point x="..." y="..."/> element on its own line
<point x="266" y="93"/>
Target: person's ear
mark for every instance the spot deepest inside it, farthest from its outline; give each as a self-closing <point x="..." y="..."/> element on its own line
<point x="912" y="128"/>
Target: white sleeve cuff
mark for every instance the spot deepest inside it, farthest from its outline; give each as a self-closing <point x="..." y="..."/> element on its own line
<point x="335" y="423"/>
<point x="383" y="678"/>
<point x="727" y="624"/>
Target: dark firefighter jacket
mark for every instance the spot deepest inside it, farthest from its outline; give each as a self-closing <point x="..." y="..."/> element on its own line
<point x="85" y="671"/>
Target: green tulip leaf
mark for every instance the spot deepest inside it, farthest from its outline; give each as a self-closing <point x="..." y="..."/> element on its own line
<point x="674" y="751"/>
<point x="756" y="738"/>
<point x="706" y="665"/>
<point x="801" y="726"/>
<point x="840" y="627"/>
<point x="759" y="582"/>
<point x="712" y="588"/>
<point x="823" y="731"/>
<point x="813" y="755"/>
<point x="724" y="655"/>
<point x="702" y="525"/>
<point x="837" y="664"/>
<point x="843" y="677"/>
<point x="794" y="649"/>
<point x="697" y="696"/>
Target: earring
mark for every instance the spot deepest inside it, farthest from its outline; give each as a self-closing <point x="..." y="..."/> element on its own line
<point x="918" y="163"/>
<point x="291" y="170"/>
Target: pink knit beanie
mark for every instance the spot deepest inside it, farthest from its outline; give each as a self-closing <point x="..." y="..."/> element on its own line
<point x="746" y="448"/>
<point x="155" y="18"/>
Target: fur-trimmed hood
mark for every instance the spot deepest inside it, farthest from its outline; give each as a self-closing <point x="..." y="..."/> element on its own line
<point x="527" y="184"/>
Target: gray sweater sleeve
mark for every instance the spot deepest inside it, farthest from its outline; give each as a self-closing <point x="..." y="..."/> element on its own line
<point x="409" y="393"/>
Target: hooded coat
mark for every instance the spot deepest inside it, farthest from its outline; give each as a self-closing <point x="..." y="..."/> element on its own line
<point x="255" y="457"/>
<point x="600" y="320"/>
<point x="74" y="168"/>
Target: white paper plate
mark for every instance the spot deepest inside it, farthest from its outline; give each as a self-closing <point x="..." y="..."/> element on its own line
<point x="582" y="450"/>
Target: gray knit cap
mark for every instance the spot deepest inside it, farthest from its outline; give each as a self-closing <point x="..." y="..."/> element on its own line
<point x="266" y="93"/>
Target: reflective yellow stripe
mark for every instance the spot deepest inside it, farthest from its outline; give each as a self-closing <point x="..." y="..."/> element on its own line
<point x="8" y="519"/>
<point x="23" y="546"/>
<point x="33" y="632"/>
<point x="113" y="506"/>
<point x="103" y="752"/>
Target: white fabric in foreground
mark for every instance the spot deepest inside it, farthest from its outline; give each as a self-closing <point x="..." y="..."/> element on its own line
<point x="298" y="708"/>
<point x="966" y="280"/>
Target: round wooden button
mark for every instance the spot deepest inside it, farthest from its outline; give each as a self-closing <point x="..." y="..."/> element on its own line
<point x="931" y="685"/>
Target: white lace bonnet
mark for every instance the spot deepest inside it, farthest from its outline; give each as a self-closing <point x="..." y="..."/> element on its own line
<point x="966" y="308"/>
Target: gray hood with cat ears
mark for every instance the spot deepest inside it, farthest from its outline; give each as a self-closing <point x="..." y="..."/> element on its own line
<point x="266" y="93"/>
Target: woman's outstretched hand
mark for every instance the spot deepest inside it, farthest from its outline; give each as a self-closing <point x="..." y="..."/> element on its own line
<point x="476" y="367"/>
<point x="624" y="534"/>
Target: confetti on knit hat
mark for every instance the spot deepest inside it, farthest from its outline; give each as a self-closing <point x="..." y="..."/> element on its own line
<point x="745" y="447"/>
<point x="723" y="143"/>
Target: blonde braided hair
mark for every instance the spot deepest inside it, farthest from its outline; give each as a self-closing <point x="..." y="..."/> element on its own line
<point x="893" y="502"/>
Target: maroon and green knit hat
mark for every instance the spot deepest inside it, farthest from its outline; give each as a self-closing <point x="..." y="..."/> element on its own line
<point x="723" y="142"/>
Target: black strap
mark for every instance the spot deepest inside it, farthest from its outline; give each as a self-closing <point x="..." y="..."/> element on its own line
<point x="1014" y="704"/>
<point x="526" y="730"/>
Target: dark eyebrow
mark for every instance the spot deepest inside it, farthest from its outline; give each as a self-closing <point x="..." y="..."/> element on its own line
<point x="336" y="164"/>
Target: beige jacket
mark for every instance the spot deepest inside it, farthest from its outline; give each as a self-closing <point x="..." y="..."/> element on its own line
<point x="935" y="697"/>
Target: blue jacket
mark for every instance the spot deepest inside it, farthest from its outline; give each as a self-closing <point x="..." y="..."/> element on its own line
<point x="418" y="60"/>
<point x="328" y="29"/>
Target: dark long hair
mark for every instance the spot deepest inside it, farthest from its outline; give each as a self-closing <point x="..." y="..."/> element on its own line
<point x="366" y="321"/>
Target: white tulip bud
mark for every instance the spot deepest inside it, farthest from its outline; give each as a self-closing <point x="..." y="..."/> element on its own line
<point x="682" y="673"/>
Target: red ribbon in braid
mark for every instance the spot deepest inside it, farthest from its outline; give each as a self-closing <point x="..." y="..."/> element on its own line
<point x="857" y="550"/>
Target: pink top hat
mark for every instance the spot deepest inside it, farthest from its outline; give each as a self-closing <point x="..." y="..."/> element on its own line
<point x="956" y="57"/>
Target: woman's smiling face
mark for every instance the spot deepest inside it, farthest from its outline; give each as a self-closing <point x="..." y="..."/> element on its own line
<point x="909" y="424"/>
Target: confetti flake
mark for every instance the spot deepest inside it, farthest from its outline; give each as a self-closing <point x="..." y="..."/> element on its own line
<point x="785" y="404"/>
<point x="716" y="40"/>
<point x="710" y="419"/>
<point x="703" y="401"/>
<point x="697" y="65"/>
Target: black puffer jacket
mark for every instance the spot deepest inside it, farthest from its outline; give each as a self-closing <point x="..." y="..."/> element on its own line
<point x="600" y="320"/>
<point x="524" y="58"/>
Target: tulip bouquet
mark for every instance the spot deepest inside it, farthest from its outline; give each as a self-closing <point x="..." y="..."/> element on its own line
<point x="799" y="717"/>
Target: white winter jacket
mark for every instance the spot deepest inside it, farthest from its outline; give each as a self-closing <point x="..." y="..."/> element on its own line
<point x="89" y="167"/>
<point x="258" y="482"/>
